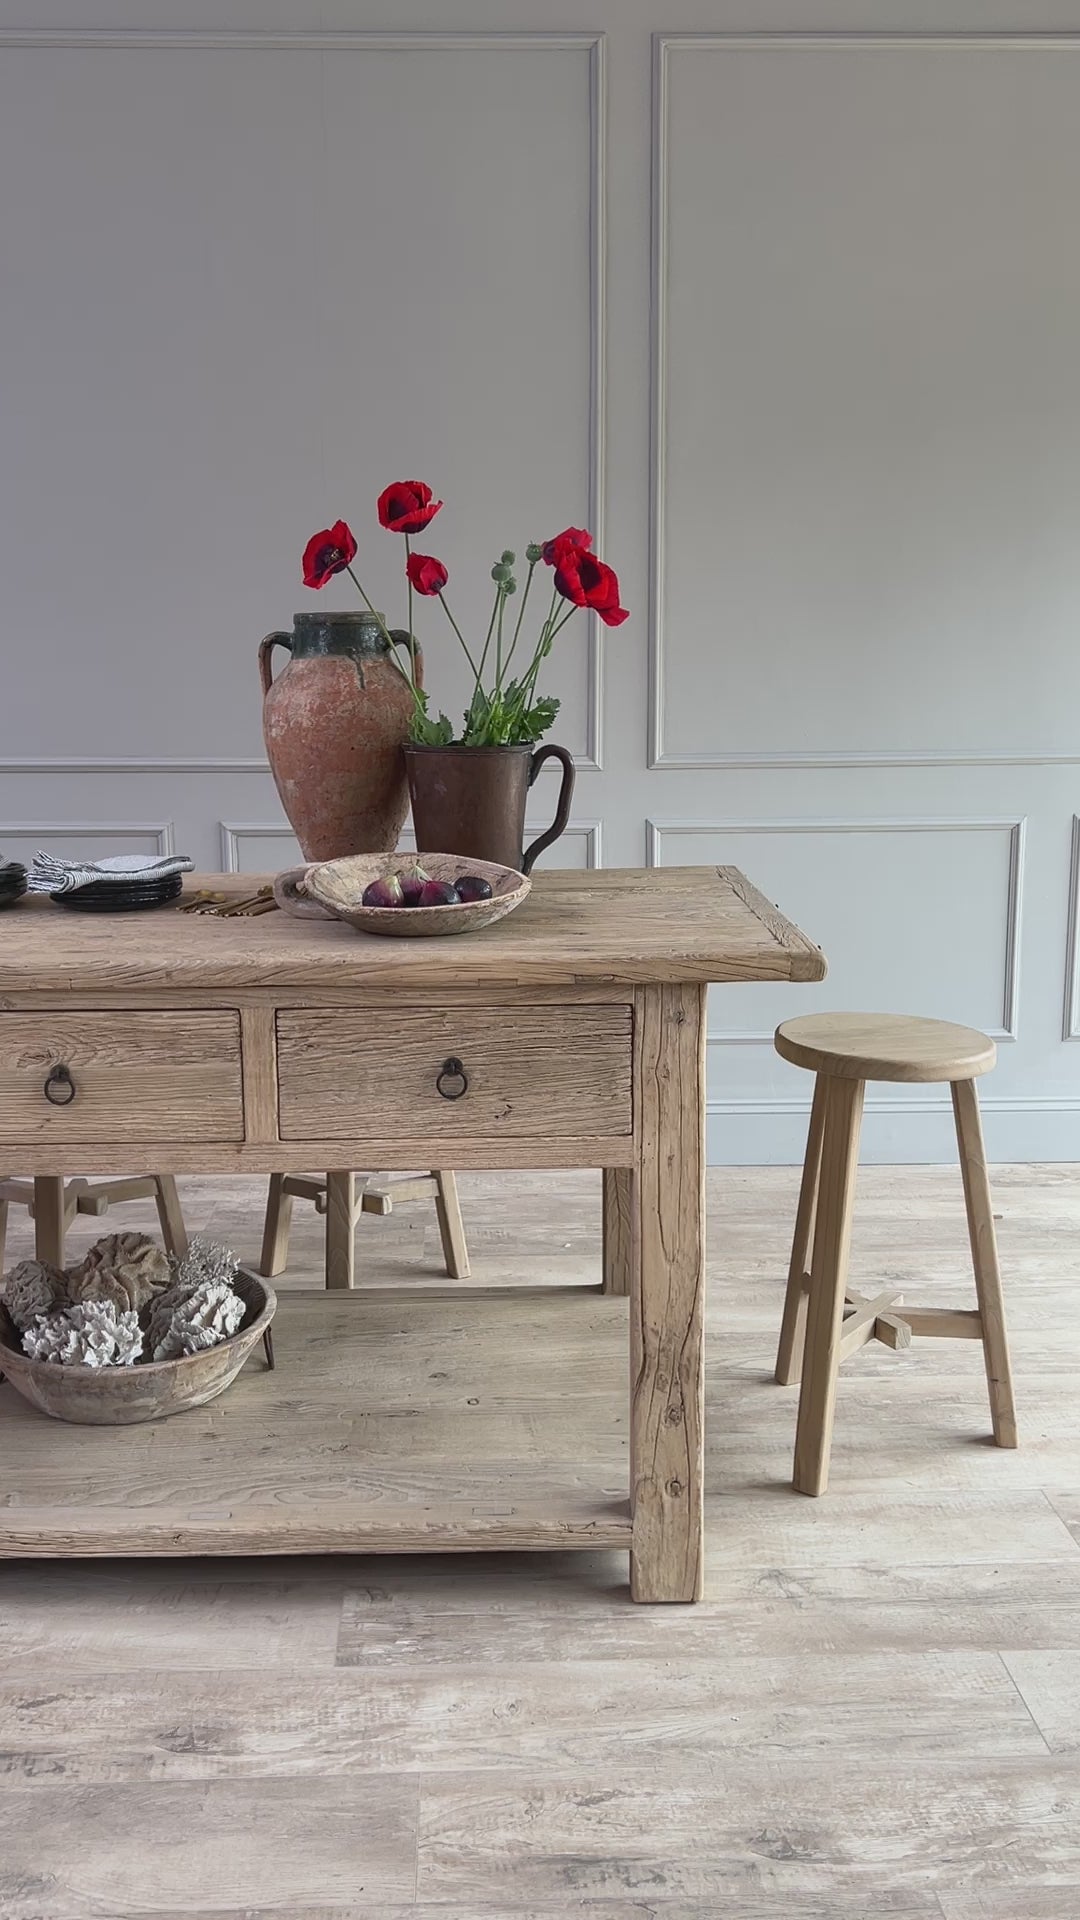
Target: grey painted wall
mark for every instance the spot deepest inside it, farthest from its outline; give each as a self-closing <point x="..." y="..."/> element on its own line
<point x="789" y="318"/>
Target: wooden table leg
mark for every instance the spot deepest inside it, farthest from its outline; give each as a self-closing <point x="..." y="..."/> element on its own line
<point x="341" y="1230"/>
<point x="618" y="1229"/>
<point x="49" y="1218"/>
<point x="668" y="1300"/>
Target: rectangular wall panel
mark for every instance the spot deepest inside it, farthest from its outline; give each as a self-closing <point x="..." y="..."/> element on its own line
<point x="868" y="445"/>
<point x="82" y="839"/>
<point x="258" y="848"/>
<point x="915" y="916"/>
<point x="253" y="284"/>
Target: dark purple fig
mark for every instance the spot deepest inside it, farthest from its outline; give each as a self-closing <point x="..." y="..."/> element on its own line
<point x="473" y="886"/>
<point x="412" y="885"/>
<point x="384" y="893"/>
<point x="439" y="893"/>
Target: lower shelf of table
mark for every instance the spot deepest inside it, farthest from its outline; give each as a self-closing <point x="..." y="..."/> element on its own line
<point x="454" y="1422"/>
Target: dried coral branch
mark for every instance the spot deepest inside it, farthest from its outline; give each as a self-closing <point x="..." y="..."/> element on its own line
<point x="188" y="1320"/>
<point x="89" y="1334"/>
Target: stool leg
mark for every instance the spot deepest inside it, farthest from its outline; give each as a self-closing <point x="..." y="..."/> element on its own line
<point x="170" y="1217"/>
<point x="789" y="1353"/>
<point x="49" y="1219"/>
<point x="275" y="1246"/>
<point x="984" y="1259"/>
<point x="340" y="1230"/>
<point x="451" y="1225"/>
<point x="3" y="1232"/>
<point x="843" y="1103"/>
<point x="618" y="1223"/>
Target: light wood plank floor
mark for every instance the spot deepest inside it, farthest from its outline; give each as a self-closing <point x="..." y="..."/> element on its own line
<point x="875" y="1712"/>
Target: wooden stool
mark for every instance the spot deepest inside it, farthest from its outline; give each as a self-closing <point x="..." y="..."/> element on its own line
<point x="336" y="1197"/>
<point x="53" y="1203"/>
<point x="823" y="1322"/>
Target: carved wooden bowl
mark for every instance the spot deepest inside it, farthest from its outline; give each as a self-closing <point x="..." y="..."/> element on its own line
<point x="334" y="890"/>
<point x="149" y="1390"/>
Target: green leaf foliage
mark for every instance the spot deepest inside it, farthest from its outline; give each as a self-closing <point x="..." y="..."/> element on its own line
<point x="426" y="732"/>
<point x="537" y="719"/>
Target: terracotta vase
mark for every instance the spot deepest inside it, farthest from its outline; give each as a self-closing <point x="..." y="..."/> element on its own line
<point x="334" y="722"/>
<point x="471" y="800"/>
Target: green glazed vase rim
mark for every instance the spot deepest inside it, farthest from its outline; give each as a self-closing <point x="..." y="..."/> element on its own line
<point x="363" y="618"/>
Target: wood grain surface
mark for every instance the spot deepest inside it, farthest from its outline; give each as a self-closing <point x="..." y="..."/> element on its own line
<point x="885" y="1046"/>
<point x="436" y="1422"/>
<point x="556" y="1072"/>
<point x="137" y="1076"/>
<point x="870" y="1715"/>
<point x="625" y="925"/>
<point x="667" y="1303"/>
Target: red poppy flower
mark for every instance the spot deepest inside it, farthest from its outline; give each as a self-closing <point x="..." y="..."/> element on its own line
<point x="328" y="553"/>
<point x="585" y="581"/>
<point x="571" y="540"/>
<point x="407" y="506"/>
<point x="426" y="574"/>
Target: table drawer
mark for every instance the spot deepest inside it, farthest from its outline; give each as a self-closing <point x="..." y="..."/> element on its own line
<point x="561" y="1072"/>
<point x="120" y="1076"/>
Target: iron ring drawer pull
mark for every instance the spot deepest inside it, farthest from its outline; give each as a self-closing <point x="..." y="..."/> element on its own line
<point x="60" y="1088"/>
<point x="452" y="1069"/>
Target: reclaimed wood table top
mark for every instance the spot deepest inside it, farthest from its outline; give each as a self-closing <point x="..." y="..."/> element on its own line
<point x="616" y="925"/>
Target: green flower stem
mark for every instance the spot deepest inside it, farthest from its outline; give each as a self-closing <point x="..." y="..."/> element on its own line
<point x="412" y="636"/>
<point x="550" y="629"/>
<point x="460" y="636"/>
<point x="521" y="614"/>
<point x="567" y="616"/>
<point x="409" y="679"/>
<point x="498" y="639"/>
<point x="543" y="647"/>
<point x="490" y="631"/>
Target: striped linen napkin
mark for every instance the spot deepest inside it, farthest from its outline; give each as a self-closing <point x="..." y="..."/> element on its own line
<point x="63" y="876"/>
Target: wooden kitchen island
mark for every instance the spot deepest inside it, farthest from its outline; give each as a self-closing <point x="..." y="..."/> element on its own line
<point x="447" y="1420"/>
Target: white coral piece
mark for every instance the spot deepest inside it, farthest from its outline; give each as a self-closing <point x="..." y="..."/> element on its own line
<point x="188" y="1319"/>
<point x="31" y="1289"/>
<point x="89" y="1334"/>
<point x="204" y="1260"/>
<point x="127" y="1268"/>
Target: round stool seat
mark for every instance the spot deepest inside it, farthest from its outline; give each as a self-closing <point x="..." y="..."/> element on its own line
<point x="885" y="1046"/>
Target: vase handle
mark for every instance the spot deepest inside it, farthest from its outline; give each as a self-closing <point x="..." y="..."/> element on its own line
<point x="266" y="648"/>
<point x="562" y="811"/>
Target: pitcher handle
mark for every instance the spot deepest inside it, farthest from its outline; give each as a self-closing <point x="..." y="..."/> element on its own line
<point x="562" y="811"/>
<point x="266" y="648"/>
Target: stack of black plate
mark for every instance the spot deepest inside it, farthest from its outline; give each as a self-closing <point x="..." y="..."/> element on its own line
<point x="121" y="895"/>
<point x="12" y="883"/>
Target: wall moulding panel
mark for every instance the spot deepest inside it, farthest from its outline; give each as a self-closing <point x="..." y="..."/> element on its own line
<point x="459" y="240"/>
<point x="917" y="925"/>
<point x="829" y="365"/>
<point x="21" y="839"/>
<point x="263" y="847"/>
<point x="787" y="318"/>
<point x="1070" y="1026"/>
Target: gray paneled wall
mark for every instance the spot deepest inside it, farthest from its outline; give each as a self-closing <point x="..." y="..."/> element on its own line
<point x="788" y="319"/>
